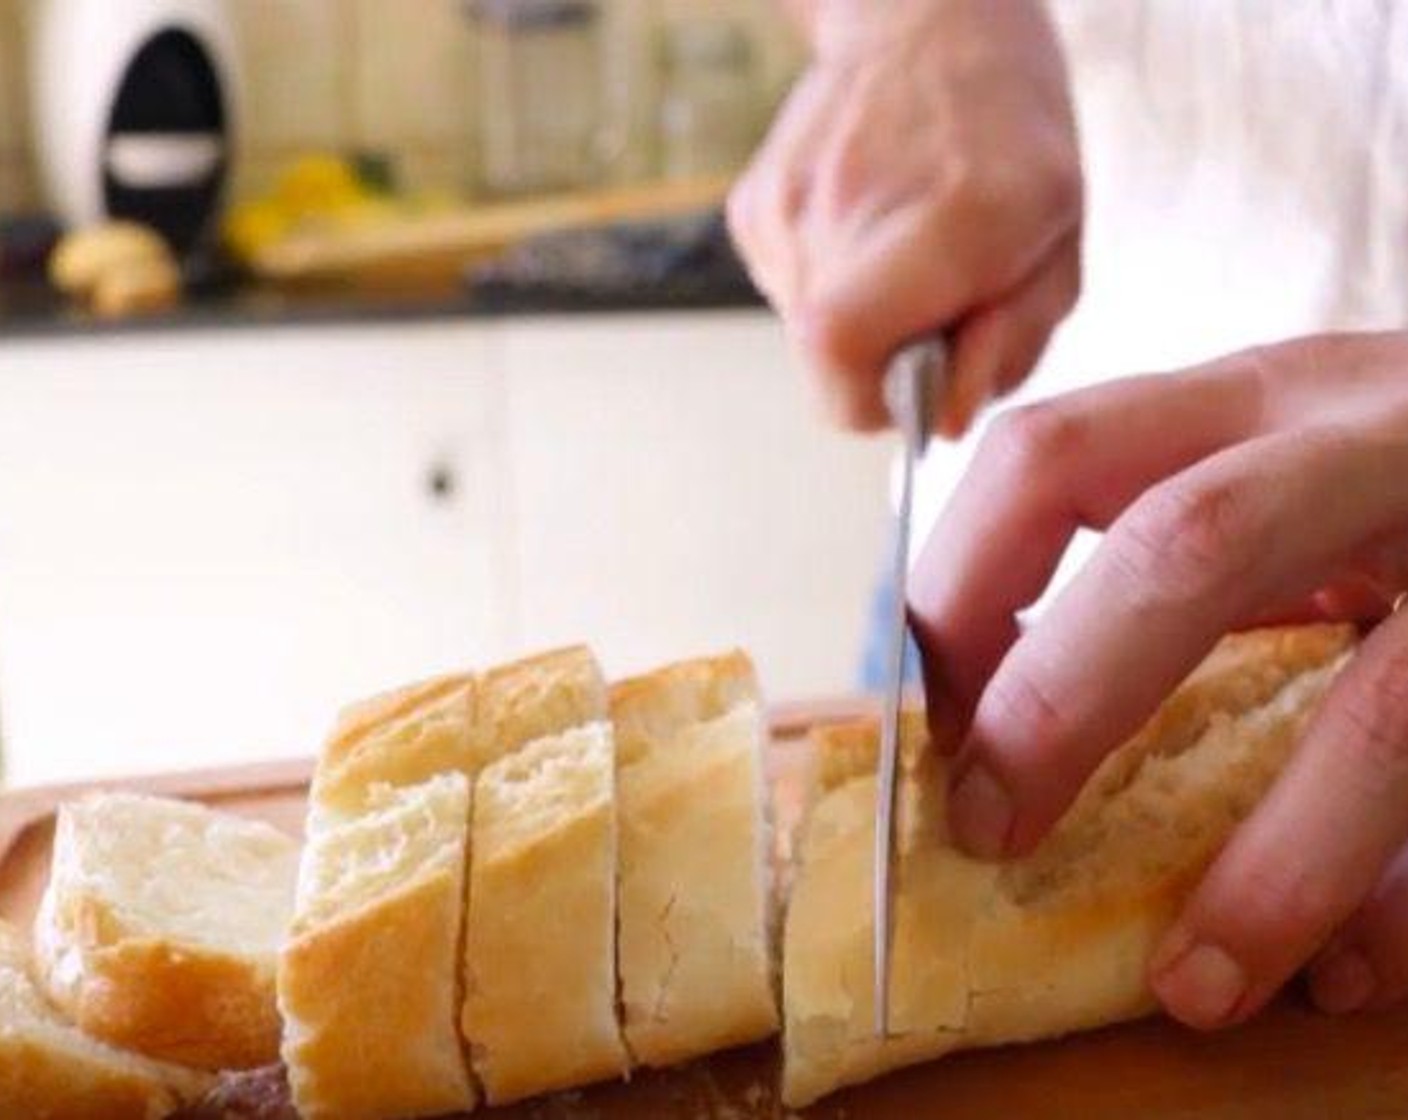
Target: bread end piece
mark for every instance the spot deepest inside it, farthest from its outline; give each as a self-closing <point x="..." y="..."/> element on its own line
<point x="696" y="898"/>
<point x="540" y="943"/>
<point x="50" y="1069"/>
<point x="160" y="927"/>
<point x="1056" y="942"/>
<point x="367" y="980"/>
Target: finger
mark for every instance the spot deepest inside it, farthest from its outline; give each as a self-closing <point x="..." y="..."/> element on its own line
<point x="765" y="203"/>
<point x="1314" y="848"/>
<point x="1364" y="592"/>
<point x="1366" y="965"/>
<point x="996" y="347"/>
<point x="1077" y="461"/>
<point x="910" y="270"/>
<point x="1185" y="563"/>
<point x="1041" y="473"/>
<point x="1351" y="598"/>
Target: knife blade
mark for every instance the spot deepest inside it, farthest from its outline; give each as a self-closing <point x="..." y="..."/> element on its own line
<point x="914" y="382"/>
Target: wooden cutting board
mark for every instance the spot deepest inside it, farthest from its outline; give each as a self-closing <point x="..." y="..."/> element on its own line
<point x="1289" y="1064"/>
<point x="426" y="250"/>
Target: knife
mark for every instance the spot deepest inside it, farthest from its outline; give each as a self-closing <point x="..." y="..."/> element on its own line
<point x="914" y="382"/>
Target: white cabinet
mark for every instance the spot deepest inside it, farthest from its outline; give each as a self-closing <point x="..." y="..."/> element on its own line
<point x="211" y="539"/>
<point x="674" y="492"/>
<point x="208" y="540"/>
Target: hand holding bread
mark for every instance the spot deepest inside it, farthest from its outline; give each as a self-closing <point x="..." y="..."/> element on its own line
<point x="1267" y="485"/>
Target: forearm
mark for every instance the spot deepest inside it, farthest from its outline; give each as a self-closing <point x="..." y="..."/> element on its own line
<point x="833" y="26"/>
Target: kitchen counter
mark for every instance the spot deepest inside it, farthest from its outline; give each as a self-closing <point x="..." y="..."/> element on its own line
<point x="33" y="309"/>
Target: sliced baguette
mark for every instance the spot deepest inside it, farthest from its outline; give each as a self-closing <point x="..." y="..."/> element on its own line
<point x="160" y="928"/>
<point x="50" y="1070"/>
<point x="1056" y="942"/>
<point x="367" y="980"/>
<point x="454" y="723"/>
<point x="540" y="987"/>
<point x="695" y="929"/>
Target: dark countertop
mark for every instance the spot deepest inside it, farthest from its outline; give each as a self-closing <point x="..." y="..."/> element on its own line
<point x="681" y="263"/>
<point x="33" y="310"/>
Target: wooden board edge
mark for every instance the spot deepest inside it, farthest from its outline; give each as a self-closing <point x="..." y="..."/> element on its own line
<point x="24" y="809"/>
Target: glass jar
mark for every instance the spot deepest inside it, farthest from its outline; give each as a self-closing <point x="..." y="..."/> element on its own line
<point x="540" y="101"/>
<point x="709" y="106"/>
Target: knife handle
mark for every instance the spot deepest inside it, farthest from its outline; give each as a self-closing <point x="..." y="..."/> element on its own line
<point x="914" y="385"/>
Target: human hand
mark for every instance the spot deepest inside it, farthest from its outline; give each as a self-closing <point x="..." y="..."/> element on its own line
<point x="1270" y="484"/>
<point x="923" y="175"/>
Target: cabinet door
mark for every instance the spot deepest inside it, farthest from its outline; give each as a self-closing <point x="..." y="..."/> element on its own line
<point x="210" y="540"/>
<point x="675" y="492"/>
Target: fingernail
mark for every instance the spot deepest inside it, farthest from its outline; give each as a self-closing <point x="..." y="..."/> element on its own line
<point x="980" y="813"/>
<point x="1342" y="982"/>
<point x="1200" y="983"/>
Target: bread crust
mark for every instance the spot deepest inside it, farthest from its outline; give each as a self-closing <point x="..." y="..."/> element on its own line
<point x="540" y="965"/>
<point x="1060" y="941"/>
<point x="367" y="1035"/>
<point x="184" y="1004"/>
<point x="50" y="1071"/>
<point x="460" y="722"/>
<point x="401" y="737"/>
<point x="695" y="927"/>
<point x="368" y="989"/>
<point x="457" y="724"/>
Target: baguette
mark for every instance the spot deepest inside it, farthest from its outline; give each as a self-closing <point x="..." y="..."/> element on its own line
<point x="455" y="723"/>
<point x="540" y="967"/>
<point x="50" y="1070"/>
<point x="160" y="928"/>
<point x="429" y="741"/>
<point x="695" y="929"/>
<point x="1060" y="940"/>
<point x="367" y="980"/>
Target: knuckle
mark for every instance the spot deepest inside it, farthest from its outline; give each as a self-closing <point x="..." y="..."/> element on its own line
<point x="1043" y="193"/>
<point x="983" y="194"/>
<point x="1374" y="716"/>
<point x="1024" y="708"/>
<point x="849" y="398"/>
<point x="836" y="337"/>
<point x="739" y="210"/>
<point x="847" y="404"/>
<point x="790" y="195"/>
<point x="1057" y="191"/>
<point x="826" y="332"/>
<point x="1072" y="282"/>
<point x="1024" y="442"/>
<point x="1183" y="543"/>
<point x="1280" y="906"/>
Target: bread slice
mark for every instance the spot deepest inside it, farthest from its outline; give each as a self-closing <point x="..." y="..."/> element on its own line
<point x="695" y="929"/>
<point x="453" y="723"/>
<point x="540" y="968"/>
<point x="367" y="979"/>
<point x="1060" y="940"/>
<point x="50" y="1070"/>
<point x="160" y="928"/>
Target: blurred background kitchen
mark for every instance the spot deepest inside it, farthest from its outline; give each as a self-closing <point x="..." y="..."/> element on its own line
<point x="416" y="344"/>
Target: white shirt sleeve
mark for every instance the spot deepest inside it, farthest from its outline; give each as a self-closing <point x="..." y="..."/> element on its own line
<point x="1247" y="176"/>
